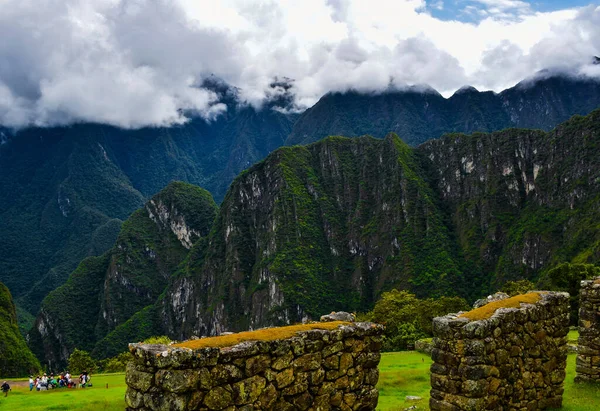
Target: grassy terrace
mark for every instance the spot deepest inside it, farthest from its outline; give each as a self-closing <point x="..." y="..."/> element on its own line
<point x="266" y="334"/>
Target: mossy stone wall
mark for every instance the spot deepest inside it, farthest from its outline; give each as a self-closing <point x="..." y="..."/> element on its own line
<point x="588" y="351"/>
<point x="316" y="369"/>
<point x="515" y="359"/>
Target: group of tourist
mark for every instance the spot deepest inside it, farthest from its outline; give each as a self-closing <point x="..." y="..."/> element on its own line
<point x="45" y="382"/>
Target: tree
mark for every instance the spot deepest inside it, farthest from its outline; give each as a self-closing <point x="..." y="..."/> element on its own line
<point x="567" y="277"/>
<point x="431" y="308"/>
<point x="117" y="363"/>
<point x="408" y="319"/>
<point x="81" y="361"/>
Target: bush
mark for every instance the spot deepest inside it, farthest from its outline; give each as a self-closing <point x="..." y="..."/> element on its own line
<point x="117" y="363"/>
<point x="407" y="318"/>
<point x="80" y="361"/>
<point x="567" y="277"/>
<point x="514" y="288"/>
<point x="161" y="339"/>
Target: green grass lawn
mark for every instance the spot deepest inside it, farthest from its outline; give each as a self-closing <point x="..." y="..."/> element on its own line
<point x="407" y="373"/>
<point x="93" y="398"/>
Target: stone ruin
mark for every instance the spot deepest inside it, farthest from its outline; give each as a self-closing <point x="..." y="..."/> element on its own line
<point x="511" y="358"/>
<point x="318" y="369"/>
<point x="588" y="351"/>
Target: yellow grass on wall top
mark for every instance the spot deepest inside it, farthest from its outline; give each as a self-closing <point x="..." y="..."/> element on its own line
<point x="266" y="334"/>
<point x="489" y="309"/>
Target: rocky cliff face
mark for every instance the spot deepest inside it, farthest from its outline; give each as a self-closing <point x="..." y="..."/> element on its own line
<point x="130" y="277"/>
<point x="418" y="114"/>
<point x="520" y="201"/>
<point x="314" y="229"/>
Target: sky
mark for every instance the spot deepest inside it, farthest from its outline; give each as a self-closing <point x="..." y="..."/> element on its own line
<point x="137" y="63"/>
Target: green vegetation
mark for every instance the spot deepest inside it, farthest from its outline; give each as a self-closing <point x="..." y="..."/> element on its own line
<point x="573" y="337"/>
<point x="567" y="277"/>
<point x="95" y="398"/>
<point x="333" y="225"/>
<point x="16" y="359"/>
<point x="401" y="374"/>
<point x="420" y="115"/>
<point x="117" y="363"/>
<point x="80" y="361"/>
<point x="407" y="318"/>
<point x="513" y="288"/>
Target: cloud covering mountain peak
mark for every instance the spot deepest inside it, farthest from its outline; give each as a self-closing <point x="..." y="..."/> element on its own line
<point x="135" y="63"/>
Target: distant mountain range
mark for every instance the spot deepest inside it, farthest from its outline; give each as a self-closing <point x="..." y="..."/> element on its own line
<point x="65" y="191"/>
<point x="419" y="114"/>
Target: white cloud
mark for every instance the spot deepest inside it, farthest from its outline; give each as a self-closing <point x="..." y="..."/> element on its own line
<point x="133" y="63"/>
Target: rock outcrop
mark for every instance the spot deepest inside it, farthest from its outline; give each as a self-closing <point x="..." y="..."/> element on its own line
<point x="320" y="368"/>
<point x="588" y="350"/>
<point x="495" y="358"/>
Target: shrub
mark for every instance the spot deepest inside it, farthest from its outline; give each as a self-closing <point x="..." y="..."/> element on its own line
<point x="407" y="318"/>
<point x="159" y="339"/>
<point x="81" y="361"/>
<point x="117" y="363"/>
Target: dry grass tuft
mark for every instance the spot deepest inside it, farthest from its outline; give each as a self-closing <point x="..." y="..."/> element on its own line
<point x="488" y="310"/>
<point x="267" y="334"/>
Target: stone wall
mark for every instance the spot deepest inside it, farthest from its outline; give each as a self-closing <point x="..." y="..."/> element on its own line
<point x="588" y="351"/>
<point x="515" y="359"/>
<point x="318" y="369"/>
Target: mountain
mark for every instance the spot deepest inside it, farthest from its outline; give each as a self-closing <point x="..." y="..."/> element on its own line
<point x="333" y="224"/>
<point x="16" y="360"/>
<point x="419" y="114"/>
<point x="104" y="292"/>
<point x="65" y="191"/>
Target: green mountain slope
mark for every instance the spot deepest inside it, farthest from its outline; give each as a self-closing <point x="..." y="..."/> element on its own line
<point x="16" y="360"/>
<point x="104" y="292"/>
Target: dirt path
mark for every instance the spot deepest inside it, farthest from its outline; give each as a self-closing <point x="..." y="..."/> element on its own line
<point x="17" y="383"/>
